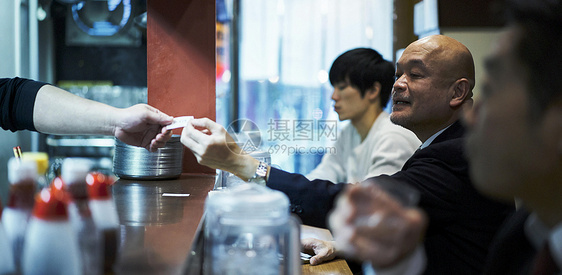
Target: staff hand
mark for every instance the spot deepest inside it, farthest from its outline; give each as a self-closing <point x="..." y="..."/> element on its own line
<point x="142" y="125"/>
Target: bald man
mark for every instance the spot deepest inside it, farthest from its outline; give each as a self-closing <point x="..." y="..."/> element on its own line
<point x="435" y="77"/>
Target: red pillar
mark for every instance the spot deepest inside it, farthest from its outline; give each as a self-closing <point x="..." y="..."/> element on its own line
<point x="181" y="62"/>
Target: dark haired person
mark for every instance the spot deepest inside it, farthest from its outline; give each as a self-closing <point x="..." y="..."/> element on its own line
<point x="371" y="144"/>
<point x="36" y="106"/>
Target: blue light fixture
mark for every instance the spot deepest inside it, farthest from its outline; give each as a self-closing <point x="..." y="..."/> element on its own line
<point x="102" y="17"/>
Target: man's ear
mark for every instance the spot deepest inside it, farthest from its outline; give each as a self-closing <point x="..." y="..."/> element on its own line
<point x="373" y="92"/>
<point x="461" y="90"/>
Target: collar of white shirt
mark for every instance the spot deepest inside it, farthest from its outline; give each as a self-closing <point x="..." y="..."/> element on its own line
<point x="432" y="138"/>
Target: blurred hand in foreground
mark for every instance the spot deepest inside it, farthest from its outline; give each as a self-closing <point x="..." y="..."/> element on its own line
<point x="370" y="225"/>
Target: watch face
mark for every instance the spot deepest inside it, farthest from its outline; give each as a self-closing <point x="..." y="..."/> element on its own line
<point x="261" y="171"/>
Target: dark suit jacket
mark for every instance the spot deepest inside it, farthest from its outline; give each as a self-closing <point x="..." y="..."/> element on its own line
<point x="511" y="252"/>
<point x="462" y="222"/>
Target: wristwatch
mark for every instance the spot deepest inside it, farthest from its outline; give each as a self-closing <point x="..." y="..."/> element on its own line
<point x="260" y="175"/>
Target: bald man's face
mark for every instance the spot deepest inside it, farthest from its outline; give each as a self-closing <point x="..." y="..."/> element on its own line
<point x="422" y="91"/>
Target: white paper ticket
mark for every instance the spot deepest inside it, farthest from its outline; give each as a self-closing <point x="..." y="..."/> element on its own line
<point x="174" y="195"/>
<point x="179" y="122"/>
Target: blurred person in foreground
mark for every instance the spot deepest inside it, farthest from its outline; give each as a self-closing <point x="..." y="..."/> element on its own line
<point x="36" y="106"/>
<point x="515" y="150"/>
<point x="434" y="82"/>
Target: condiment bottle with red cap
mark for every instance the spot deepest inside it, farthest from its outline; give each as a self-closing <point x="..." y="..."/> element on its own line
<point x="7" y="265"/>
<point x="73" y="173"/>
<point x="21" y="175"/>
<point x="50" y="245"/>
<point x="104" y="213"/>
<point x="58" y="189"/>
<point x="101" y="203"/>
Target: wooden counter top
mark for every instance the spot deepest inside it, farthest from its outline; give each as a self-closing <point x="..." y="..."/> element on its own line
<point x="337" y="266"/>
<point x="157" y="230"/>
<point x="159" y="224"/>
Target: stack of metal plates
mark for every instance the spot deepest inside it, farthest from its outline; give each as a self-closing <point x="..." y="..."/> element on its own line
<point x="131" y="162"/>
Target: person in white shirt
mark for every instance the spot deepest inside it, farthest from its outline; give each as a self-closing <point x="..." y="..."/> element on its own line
<point x="371" y="144"/>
